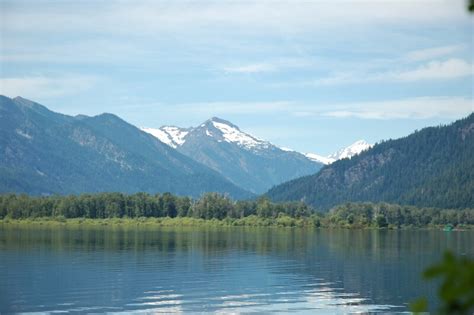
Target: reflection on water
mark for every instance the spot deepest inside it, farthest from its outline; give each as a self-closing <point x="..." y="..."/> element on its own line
<point x="217" y="270"/>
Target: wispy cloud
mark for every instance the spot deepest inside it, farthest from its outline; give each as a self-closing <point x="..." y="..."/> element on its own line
<point x="410" y="108"/>
<point x="272" y="65"/>
<point x="434" y="70"/>
<point x="415" y="108"/>
<point x="276" y="16"/>
<point x="251" y="68"/>
<point x="434" y="52"/>
<point x="39" y="87"/>
<point x="209" y="109"/>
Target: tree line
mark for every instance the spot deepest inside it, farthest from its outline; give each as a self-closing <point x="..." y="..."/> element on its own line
<point x="396" y="216"/>
<point x="220" y="207"/>
<point x="119" y="205"/>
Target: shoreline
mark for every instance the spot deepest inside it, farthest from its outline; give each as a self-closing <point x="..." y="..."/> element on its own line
<point x="251" y="221"/>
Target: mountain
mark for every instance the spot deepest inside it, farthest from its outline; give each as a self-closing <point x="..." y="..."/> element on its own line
<point x="319" y="158"/>
<point x="431" y="167"/>
<point x="348" y="152"/>
<point x="242" y="158"/>
<point x="43" y="152"/>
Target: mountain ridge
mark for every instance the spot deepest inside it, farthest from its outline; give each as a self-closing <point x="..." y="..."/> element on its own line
<point x="175" y="137"/>
<point x="44" y="152"/>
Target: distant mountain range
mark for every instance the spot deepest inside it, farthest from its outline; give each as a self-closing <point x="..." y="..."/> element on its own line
<point x="244" y="159"/>
<point x="43" y="152"/>
<point x="431" y="167"/>
<point x="240" y="157"/>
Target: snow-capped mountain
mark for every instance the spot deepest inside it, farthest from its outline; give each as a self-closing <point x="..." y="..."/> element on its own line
<point x="354" y="149"/>
<point x="215" y="128"/>
<point x="348" y="152"/>
<point x="244" y="159"/>
<point x="319" y="158"/>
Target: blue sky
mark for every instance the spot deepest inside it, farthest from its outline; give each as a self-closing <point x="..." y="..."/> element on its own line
<point x="313" y="76"/>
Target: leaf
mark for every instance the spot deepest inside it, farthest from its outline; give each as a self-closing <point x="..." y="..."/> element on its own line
<point x="419" y="306"/>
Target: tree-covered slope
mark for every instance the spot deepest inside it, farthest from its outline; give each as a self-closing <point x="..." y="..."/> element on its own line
<point x="42" y="152"/>
<point x="431" y="167"/>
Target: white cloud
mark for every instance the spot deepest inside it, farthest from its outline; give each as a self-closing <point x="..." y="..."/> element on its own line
<point x="434" y="70"/>
<point x="251" y="68"/>
<point x="40" y="87"/>
<point x="415" y="108"/>
<point x="209" y="109"/>
<point x="434" y="52"/>
<point x="158" y="17"/>
<point x="410" y="108"/>
<point x="273" y="65"/>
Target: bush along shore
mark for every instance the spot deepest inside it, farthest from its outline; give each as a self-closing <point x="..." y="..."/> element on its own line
<point x="214" y="209"/>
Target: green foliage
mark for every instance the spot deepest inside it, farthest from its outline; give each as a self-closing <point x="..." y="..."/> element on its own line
<point x="117" y="205"/>
<point x="214" y="206"/>
<point x="381" y="221"/>
<point x="456" y="292"/>
<point x="384" y="215"/>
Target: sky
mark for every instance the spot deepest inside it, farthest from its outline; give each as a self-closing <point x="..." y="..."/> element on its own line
<point x="313" y="76"/>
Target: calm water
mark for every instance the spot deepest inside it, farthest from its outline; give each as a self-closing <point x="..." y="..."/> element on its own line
<point x="217" y="270"/>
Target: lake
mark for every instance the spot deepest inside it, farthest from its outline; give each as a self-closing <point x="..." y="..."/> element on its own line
<point x="222" y="270"/>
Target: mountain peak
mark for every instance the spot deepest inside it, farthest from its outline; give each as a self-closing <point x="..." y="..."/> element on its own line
<point x="108" y="117"/>
<point x="354" y="149"/>
<point x="19" y="98"/>
<point x="26" y="102"/>
<point x="230" y="133"/>
<point x="348" y="152"/>
<point x="216" y="128"/>
<point x="218" y="120"/>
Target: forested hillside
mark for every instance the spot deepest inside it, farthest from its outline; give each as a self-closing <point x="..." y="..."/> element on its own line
<point x="431" y="167"/>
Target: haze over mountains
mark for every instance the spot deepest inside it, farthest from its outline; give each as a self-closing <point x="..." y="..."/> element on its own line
<point x="431" y="167"/>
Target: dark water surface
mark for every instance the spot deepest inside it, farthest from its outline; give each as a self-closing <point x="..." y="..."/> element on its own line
<point x="227" y="270"/>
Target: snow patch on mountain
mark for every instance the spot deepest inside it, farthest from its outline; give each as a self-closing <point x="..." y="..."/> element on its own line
<point x="348" y="152"/>
<point x="354" y="149"/>
<point x="319" y="158"/>
<point x="234" y="135"/>
<point x="223" y="131"/>
<point x="161" y="135"/>
<point x="23" y="134"/>
<point x="177" y="134"/>
<point x="170" y="135"/>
